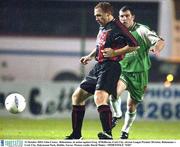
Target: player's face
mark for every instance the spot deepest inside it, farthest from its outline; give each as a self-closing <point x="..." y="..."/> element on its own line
<point x="101" y="17"/>
<point x="126" y="18"/>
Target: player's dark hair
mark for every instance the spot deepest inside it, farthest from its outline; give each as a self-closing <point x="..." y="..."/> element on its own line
<point x="105" y="6"/>
<point x="126" y="8"/>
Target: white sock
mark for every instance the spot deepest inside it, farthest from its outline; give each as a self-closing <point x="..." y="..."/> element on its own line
<point x="116" y="107"/>
<point x="128" y="121"/>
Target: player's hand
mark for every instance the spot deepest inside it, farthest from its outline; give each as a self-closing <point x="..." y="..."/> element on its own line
<point x="155" y="51"/>
<point x="85" y="59"/>
<point x="108" y="52"/>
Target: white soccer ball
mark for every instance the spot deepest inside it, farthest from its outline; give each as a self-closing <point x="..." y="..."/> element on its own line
<point x="15" y="103"/>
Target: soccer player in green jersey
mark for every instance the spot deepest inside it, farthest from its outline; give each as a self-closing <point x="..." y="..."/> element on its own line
<point x="135" y="67"/>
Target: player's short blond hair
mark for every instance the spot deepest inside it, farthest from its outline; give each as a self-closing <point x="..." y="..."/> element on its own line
<point x="105" y="6"/>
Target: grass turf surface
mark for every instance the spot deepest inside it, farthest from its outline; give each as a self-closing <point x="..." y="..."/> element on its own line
<point x="14" y="128"/>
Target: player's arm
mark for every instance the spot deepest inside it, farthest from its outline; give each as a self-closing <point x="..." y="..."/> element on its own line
<point x="131" y="42"/>
<point x="86" y="59"/>
<point x="109" y="52"/>
<point x="159" y="45"/>
<point x="156" y="43"/>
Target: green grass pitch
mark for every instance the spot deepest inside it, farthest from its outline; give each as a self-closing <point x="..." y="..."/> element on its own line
<point x="14" y="128"/>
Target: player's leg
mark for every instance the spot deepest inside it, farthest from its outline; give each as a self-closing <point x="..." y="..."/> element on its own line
<point x="106" y="85"/>
<point x="101" y="100"/>
<point x="116" y="111"/>
<point x="78" y="111"/>
<point x="86" y="89"/>
<point x="130" y="116"/>
<point x="136" y="86"/>
<point x="116" y="103"/>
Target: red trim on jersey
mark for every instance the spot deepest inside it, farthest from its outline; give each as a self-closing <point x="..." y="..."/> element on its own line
<point x="128" y="34"/>
<point x="101" y="42"/>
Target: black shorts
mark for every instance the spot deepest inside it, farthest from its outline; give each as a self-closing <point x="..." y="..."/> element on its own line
<point x="104" y="76"/>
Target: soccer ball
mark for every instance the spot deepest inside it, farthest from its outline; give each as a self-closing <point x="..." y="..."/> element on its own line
<point x="15" y="103"/>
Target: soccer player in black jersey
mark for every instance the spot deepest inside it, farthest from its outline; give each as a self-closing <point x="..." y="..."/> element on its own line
<point x="102" y="79"/>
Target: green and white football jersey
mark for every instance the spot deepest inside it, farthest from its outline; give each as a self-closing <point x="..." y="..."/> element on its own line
<point x="139" y="61"/>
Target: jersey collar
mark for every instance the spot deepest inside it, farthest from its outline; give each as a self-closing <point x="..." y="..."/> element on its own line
<point x="132" y="27"/>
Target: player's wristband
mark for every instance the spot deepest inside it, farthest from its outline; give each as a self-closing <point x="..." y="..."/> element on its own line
<point x="114" y="53"/>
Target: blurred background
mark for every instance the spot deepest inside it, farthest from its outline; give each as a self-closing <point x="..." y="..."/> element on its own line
<point x="41" y="42"/>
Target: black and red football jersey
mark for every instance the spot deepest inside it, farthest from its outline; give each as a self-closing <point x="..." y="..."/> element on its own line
<point x="113" y="35"/>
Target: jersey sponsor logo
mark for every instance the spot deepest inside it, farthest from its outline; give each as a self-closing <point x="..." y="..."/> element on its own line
<point x="133" y="53"/>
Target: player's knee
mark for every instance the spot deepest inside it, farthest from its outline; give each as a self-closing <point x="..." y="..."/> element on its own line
<point x="74" y="98"/>
<point x="131" y="107"/>
<point x="99" y="101"/>
<point x="79" y="97"/>
<point x="100" y="98"/>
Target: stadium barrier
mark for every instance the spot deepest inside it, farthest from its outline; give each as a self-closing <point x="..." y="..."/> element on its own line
<point x="53" y="100"/>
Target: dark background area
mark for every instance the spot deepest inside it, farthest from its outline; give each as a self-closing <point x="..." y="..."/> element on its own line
<point x="63" y="18"/>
